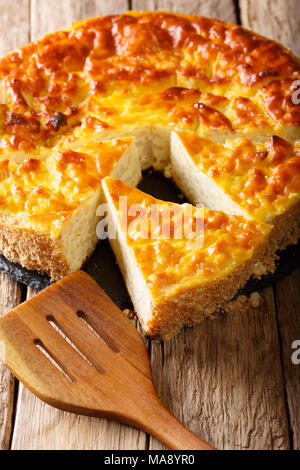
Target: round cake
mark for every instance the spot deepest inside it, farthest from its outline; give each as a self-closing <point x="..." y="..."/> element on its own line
<point x="212" y="105"/>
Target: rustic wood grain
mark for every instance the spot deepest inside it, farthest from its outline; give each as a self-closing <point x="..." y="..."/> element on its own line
<point x="288" y="308"/>
<point x="223" y="10"/>
<point x="283" y="25"/>
<point x="50" y="15"/>
<point x="15" y="30"/>
<point x="14" y="33"/>
<point x="10" y="296"/>
<point x="277" y="19"/>
<point x="223" y="379"/>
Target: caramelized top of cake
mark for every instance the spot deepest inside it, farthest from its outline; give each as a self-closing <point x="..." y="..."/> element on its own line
<point x="50" y="85"/>
<point x="181" y="246"/>
<point x="263" y="179"/>
<point x="43" y="195"/>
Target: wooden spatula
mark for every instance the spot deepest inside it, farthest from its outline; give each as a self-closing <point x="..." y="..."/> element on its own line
<point x="77" y="351"/>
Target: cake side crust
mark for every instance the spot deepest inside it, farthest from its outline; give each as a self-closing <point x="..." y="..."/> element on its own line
<point x="33" y="251"/>
<point x="168" y="318"/>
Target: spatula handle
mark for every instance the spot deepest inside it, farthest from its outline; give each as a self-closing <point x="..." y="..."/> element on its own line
<point x="169" y="430"/>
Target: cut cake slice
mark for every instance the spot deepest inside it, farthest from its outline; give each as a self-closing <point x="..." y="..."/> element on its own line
<point x="48" y="209"/>
<point x="180" y="263"/>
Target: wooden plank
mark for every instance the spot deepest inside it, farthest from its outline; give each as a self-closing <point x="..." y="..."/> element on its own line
<point x="223" y="10"/>
<point x="223" y="379"/>
<point x="38" y="426"/>
<point x="283" y="25"/>
<point x="50" y="15"/>
<point x="14" y="33"/>
<point x="10" y="296"/>
<point x="288" y="308"/>
<point x="15" y="27"/>
<point x="276" y="19"/>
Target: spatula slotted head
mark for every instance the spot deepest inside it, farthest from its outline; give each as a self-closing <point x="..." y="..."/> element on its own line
<point x="74" y="348"/>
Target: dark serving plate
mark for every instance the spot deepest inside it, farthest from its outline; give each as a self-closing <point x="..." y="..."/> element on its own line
<point x="102" y="266"/>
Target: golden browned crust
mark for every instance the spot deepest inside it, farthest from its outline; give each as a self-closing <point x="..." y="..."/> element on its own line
<point x="43" y="195"/>
<point x="195" y="305"/>
<point x="51" y="83"/>
<point x="32" y="250"/>
<point x="262" y="179"/>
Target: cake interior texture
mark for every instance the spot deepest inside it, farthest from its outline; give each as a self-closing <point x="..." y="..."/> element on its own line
<point x="210" y="104"/>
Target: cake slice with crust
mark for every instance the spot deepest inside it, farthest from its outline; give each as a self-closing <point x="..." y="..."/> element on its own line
<point x="48" y="208"/>
<point x="180" y="262"/>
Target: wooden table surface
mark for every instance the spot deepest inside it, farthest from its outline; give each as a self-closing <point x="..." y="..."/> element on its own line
<point x="232" y="380"/>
